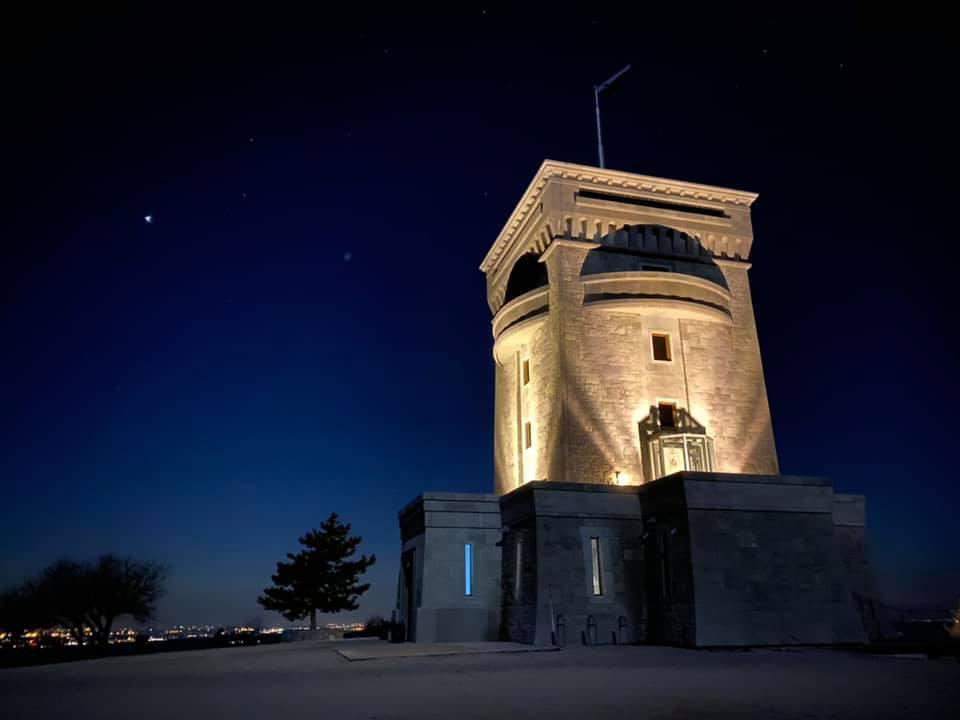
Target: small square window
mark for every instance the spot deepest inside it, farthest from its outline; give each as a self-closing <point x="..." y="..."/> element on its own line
<point x="661" y="347"/>
<point x="527" y="435"/>
<point x="526" y="371"/>
<point x="668" y="415"/>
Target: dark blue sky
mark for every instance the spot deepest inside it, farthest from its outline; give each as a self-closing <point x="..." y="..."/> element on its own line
<point x="303" y="327"/>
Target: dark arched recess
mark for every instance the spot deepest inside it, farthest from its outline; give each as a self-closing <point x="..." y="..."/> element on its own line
<point x="528" y="274"/>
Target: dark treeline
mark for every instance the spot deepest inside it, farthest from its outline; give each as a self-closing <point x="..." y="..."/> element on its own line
<point x="84" y="598"/>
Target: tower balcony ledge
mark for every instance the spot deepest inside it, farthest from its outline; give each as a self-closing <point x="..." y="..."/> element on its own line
<point x="686" y="296"/>
<point x="524" y="307"/>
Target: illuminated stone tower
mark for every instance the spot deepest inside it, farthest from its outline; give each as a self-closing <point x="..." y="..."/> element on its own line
<point x="637" y="492"/>
<point x="624" y="337"/>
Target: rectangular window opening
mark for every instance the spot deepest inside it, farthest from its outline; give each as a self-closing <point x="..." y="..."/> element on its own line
<point x="526" y="372"/>
<point x="661" y="347"/>
<point x="527" y="435"/>
<point x="468" y="569"/>
<point x="668" y="415"/>
<point x="665" y="579"/>
<point x="518" y="571"/>
<point x="597" y="569"/>
<point x="646" y="202"/>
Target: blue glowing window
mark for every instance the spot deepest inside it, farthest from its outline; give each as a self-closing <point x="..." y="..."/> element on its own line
<point x="468" y="569"/>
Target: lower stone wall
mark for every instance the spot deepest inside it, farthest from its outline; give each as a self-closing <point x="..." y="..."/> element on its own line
<point x="670" y="609"/>
<point x="565" y="580"/>
<point x="762" y="578"/>
<point x="435" y="528"/>
<point x="557" y="603"/>
<point x="773" y="560"/>
<point x="457" y="624"/>
<point x="519" y="616"/>
<point x="858" y="615"/>
<point x="694" y="559"/>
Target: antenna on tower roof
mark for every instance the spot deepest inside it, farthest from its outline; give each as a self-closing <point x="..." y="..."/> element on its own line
<point x="597" y="89"/>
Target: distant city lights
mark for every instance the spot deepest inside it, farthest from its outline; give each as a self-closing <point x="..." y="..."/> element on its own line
<point x="63" y="637"/>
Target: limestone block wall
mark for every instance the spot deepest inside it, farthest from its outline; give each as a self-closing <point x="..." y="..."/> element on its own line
<point x="594" y="378"/>
<point x="761" y="551"/>
<point x="761" y="581"/>
<point x="858" y="614"/>
<point x="506" y="429"/>
<point x="519" y="583"/>
<point x="538" y="403"/>
<point x="559" y="519"/>
<point x="725" y="374"/>
<point x="669" y="610"/>
<point x="545" y="459"/>
<point x="442" y="611"/>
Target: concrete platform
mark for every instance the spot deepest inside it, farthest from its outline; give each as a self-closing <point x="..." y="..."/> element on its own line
<point x="384" y="650"/>
<point x="309" y="680"/>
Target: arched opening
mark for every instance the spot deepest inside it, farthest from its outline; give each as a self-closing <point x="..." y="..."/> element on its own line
<point x="528" y="274"/>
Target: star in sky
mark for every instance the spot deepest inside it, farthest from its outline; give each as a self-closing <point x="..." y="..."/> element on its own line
<point x="148" y="219"/>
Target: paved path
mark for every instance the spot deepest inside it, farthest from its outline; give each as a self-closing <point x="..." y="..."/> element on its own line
<point x="383" y="650"/>
<point x="310" y="680"/>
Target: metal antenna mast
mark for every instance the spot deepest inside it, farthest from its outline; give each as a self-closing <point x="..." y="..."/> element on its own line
<point x="597" y="89"/>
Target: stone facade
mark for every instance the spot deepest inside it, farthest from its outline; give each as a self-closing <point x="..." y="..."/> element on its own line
<point x="550" y="525"/>
<point x="638" y="495"/>
<point x="761" y="553"/>
<point x="616" y="272"/>
<point x="432" y="598"/>
<point x="694" y="559"/>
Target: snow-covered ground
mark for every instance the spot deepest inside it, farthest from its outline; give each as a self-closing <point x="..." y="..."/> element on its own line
<point x="310" y="680"/>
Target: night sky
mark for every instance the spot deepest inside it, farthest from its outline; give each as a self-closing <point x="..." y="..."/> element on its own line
<point x="302" y="328"/>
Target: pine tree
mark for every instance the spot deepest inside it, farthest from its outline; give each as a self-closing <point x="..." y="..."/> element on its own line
<point x="321" y="577"/>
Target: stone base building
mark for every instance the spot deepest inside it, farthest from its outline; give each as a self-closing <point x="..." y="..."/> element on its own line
<point x="638" y="495"/>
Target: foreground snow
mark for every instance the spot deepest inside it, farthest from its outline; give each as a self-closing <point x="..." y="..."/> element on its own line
<point x="310" y="680"/>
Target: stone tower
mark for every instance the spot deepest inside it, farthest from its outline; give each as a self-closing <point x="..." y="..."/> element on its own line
<point x="624" y="337"/>
<point x="638" y="496"/>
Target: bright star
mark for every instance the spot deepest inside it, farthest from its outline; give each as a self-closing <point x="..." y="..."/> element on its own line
<point x="148" y="219"/>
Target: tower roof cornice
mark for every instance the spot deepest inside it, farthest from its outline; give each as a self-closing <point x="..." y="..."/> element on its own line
<point x="605" y="180"/>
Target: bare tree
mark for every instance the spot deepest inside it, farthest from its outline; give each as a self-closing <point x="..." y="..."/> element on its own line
<point x="121" y="586"/>
<point x="87" y="597"/>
